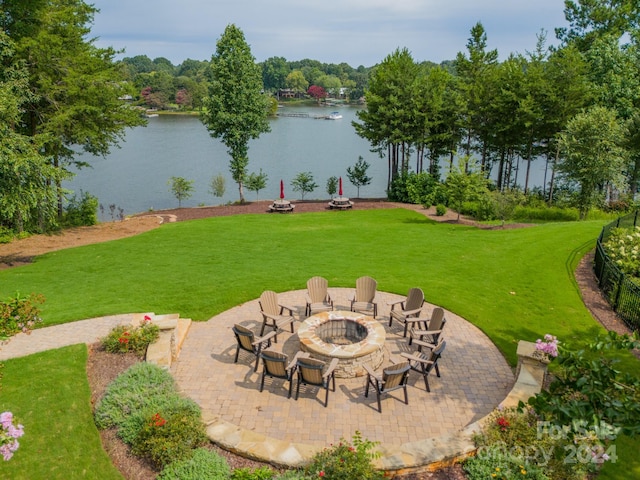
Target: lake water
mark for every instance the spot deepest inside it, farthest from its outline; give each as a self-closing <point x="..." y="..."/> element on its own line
<point x="135" y="176"/>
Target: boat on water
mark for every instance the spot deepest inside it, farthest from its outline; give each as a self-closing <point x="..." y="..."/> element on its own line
<point x="334" y="116"/>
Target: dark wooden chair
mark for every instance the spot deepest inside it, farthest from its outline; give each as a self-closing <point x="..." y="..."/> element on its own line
<point x="410" y="307"/>
<point x="318" y="374"/>
<point x="250" y="342"/>
<point x="277" y="365"/>
<point x="318" y="298"/>
<point x="392" y="378"/>
<point x="428" y="330"/>
<point x="425" y="362"/>
<point x="363" y="300"/>
<point x="273" y="312"/>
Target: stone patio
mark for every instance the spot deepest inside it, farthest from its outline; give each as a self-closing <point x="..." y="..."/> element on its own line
<point x="268" y="426"/>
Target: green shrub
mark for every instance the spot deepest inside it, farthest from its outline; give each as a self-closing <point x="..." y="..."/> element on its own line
<point x="440" y="210"/>
<point x="292" y="475"/>
<point x="515" y="441"/>
<point x="19" y="314"/>
<point x="262" y="473"/>
<point x="6" y="235"/>
<point x="166" y="403"/>
<point x="419" y="188"/>
<point x="125" y="339"/>
<point x="496" y="464"/>
<point x="623" y="247"/>
<point x="131" y="391"/>
<point x="346" y="461"/>
<point x="203" y="465"/>
<point x="82" y="211"/>
<point x="546" y="214"/>
<point x="169" y="436"/>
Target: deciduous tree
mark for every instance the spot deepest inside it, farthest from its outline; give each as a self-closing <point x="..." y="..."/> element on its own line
<point x="303" y="183"/>
<point x="236" y="108"/>
<point x="76" y="88"/>
<point x="181" y="188"/>
<point x="358" y="174"/>
<point x="257" y="181"/>
<point x="593" y="155"/>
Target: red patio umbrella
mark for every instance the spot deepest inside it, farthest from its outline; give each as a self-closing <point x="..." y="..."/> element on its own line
<point x="340" y="190"/>
<point x="281" y="190"/>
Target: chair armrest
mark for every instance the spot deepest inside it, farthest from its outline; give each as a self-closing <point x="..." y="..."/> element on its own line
<point x="418" y="331"/>
<point x="417" y="320"/>
<point x="422" y="343"/>
<point x="393" y="304"/>
<point x="293" y="363"/>
<point x="412" y="312"/>
<point x="415" y="358"/>
<point x="371" y="373"/>
<point x="266" y="338"/>
<point x="331" y="368"/>
<point x="285" y="307"/>
<point x="269" y="316"/>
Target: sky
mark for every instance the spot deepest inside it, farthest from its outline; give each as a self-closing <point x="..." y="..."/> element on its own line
<point x="357" y="32"/>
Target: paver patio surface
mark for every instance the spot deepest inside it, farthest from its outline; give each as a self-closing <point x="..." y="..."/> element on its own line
<point x="475" y="379"/>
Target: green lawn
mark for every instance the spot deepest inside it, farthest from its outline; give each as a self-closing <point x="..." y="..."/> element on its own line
<point x="49" y="394"/>
<point x="513" y="284"/>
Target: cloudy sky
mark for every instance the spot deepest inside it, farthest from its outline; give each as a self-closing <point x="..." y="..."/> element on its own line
<point x="358" y="32"/>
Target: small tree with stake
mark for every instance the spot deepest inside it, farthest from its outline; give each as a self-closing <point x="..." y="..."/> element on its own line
<point x="303" y="182"/>
<point x="358" y="174"/>
<point x="181" y="188"/>
<point x="256" y="182"/>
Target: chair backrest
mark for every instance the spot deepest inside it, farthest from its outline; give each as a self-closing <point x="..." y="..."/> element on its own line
<point x="395" y="376"/>
<point x="437" y="319"/>
<point x="244" y="336"/>
<point x="275" y="363"/>
<point x="415" y="299"/>
<point x="366" y="289"/>
<point x="317" y="289"/>
<point x="311" y="370"/>
<point x="269" y="302"/>
<point x="436" y="353"/>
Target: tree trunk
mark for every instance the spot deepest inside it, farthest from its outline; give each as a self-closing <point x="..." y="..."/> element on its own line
<point x="241" y="192"/>
<point x="553" y="174"/>
<point x="526" y="177"/>
<point x="500" y="182"/>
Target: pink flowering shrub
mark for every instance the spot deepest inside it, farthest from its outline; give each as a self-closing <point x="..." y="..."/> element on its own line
<point x="9" y="434"/>
<point x="549" y="345"/>
<point x="19" y="315"/>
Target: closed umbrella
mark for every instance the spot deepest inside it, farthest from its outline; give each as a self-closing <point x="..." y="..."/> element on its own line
<point x="340" y="190"/>
<point x="281" y="190"/>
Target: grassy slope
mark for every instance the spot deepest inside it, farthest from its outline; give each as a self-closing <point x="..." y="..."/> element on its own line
<point x="48" y="393"/>
<point x="514" y="284"/>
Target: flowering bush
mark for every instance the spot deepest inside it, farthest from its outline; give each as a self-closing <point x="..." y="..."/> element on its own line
<point x="9" y="435"/>
<point x="123" y="339"/>
<point x="171" y="436"/>
<point x="623" y="247"/>
<point x="19" y="314"/>
<point x="503" y="423"/>
<point x="549" y="345"/>
<point x="517" y="444"/>
<point x="345" y="461"/>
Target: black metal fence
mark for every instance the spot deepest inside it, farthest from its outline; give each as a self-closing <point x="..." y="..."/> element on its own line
<point x="622" y="293"/>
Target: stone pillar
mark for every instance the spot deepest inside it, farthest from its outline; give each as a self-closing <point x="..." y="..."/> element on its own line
<point x="530" y="374"/>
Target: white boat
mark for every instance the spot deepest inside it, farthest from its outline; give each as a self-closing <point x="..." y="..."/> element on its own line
<point x="334" y="116"/>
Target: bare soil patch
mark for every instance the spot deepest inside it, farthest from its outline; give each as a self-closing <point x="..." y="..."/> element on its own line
<point x="103" y="367"/>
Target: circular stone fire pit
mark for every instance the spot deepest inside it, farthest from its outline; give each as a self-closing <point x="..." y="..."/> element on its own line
<point x="354" y="339"/>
